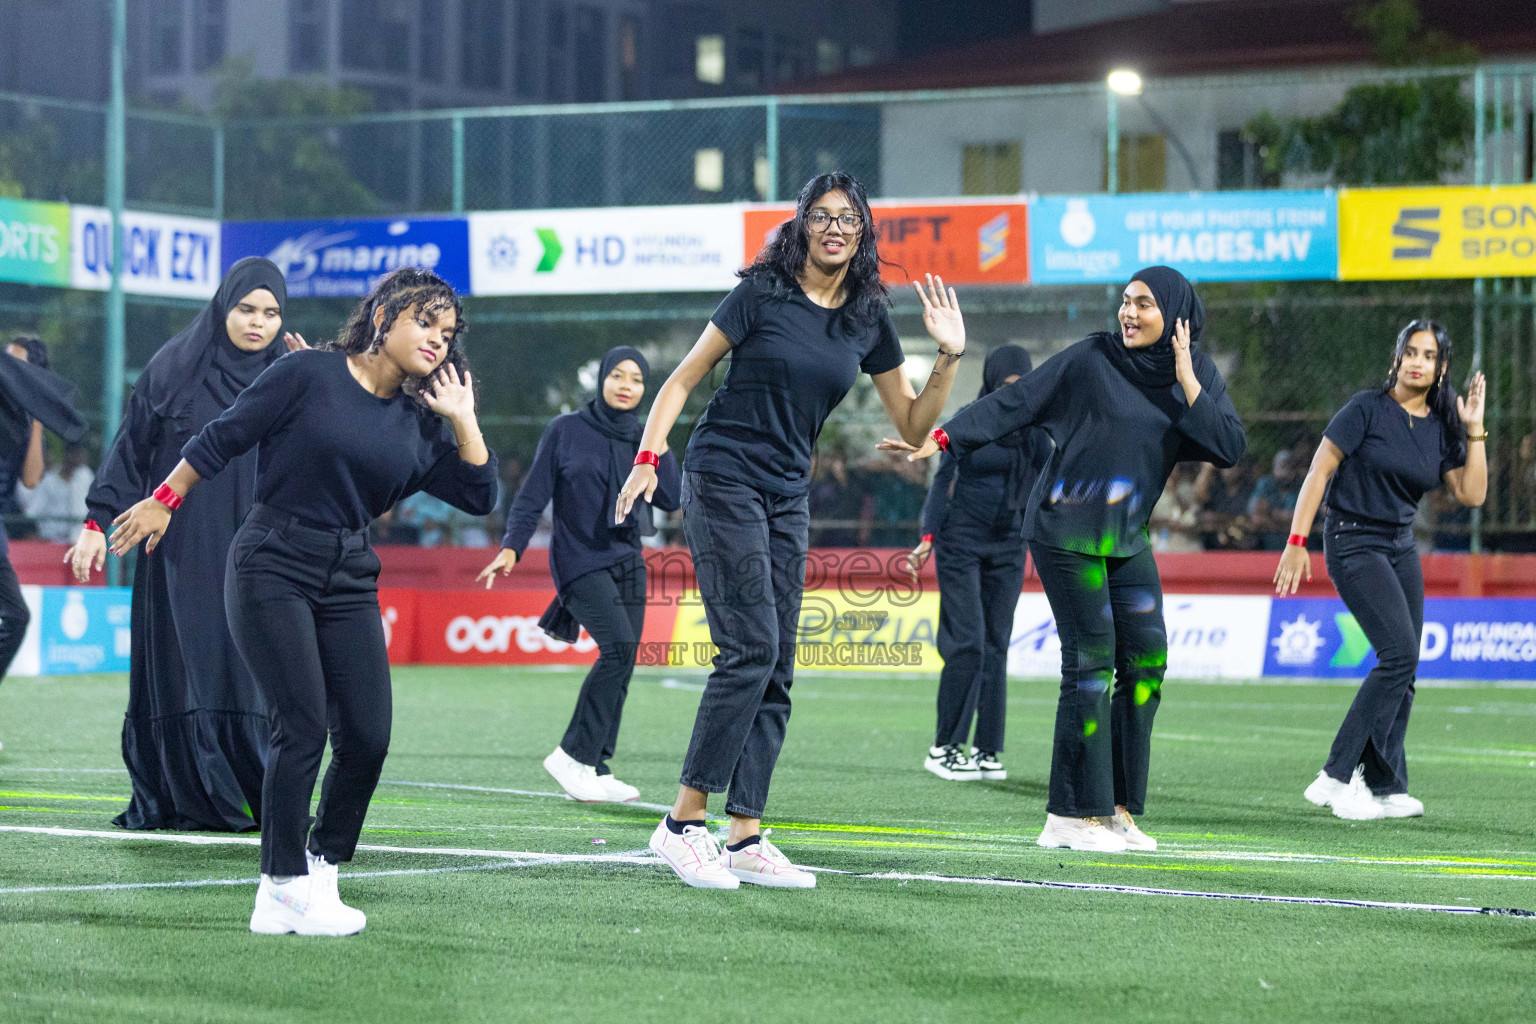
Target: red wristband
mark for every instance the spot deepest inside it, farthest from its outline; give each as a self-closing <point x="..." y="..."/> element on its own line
<point x="167" y="497"/>
<point x="647" y="459"/>
<point x="941" y="437"/>
<point x="1299" y="539"/>
<point x="927" y="538"/>
<point x="91" y="524"/>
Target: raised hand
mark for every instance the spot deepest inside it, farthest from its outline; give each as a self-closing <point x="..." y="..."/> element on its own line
<point x="641" y="483"/>
<point x="941" y="315"/>
<point x="88" y="552"/>
<point x="1470" y="406"/>
<point x="505" y="559"/>
<point x="449" y="396"/>
<point x="145" y="521"/>
<point x="294" y="341"/>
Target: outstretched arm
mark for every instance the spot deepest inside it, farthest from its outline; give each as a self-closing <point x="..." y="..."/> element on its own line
<point x="1295" y="562"/>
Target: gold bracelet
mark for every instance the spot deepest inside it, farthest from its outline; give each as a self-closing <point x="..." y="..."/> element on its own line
<point x="1478" y="437"/>
<point x="471" y="441"/>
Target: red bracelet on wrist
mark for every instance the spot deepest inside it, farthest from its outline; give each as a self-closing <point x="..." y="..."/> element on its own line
<point x="927" y="538"/>
<point x="1299" y="539"/>
<point x="167" y="497"/>
<point x="941" y="437"/>
<point x="91" y="524"/>
<point x="647" y="459"/>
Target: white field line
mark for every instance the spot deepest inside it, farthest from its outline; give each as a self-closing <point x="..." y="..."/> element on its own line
<point x="663" y="808"/>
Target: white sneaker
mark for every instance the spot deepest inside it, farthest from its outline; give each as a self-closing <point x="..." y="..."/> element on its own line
<point x="762" y="863"/>
<point x="578" y="780"/>
<point x="1356" y="802"/>
<point x="323" y="890"/>
<point x="1324" y="789"/>
<point x="949" y="762"/>
<point x="1123" y="825"/>
<point x="1079" y="834"/>
<point x="616" y="792"/>
<point x="302" y="906"/>
<point x="988" y="765"/>
<point x="693" y="855"/>
<point x="1400" y="805"/>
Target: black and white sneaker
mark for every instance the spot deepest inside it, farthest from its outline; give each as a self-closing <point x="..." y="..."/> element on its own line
<point x="988" y="764"/>
<point x="950" y="762"/>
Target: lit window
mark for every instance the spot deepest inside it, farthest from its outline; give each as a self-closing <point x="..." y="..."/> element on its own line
<point x="708" y="170"/>
<point x="992" y="169"/>
<point x="709" y="59"/>
<point x="829" y="56"/>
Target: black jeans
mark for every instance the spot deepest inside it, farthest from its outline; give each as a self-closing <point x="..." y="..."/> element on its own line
<point x="303" y="609"/>
<point x="14" y="615"/>
<point x="1376" y="570"/>
<point x="1109" y="615"/>
<point x="749" y="558"/>
<point x="610" y="603"/>
<point x="979" y="583"/>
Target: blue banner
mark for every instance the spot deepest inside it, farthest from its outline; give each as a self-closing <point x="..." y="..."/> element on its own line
<point x="83" y="629"/>
<point x="1218" y="236"/>
<point x="322" y="258"/>
<point x="1484" y="638"/>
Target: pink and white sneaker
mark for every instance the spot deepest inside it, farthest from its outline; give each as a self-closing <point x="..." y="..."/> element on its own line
<point x="693" y="856"/>
<point x="763" y="864"/>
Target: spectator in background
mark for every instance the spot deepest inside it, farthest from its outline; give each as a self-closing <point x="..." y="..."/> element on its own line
<point x="431" y="516"/>
<point x="57" y="503"/>
<point x="1175" y="517"/>
<point x="389" y="530"/>
<point x="1274" y="499"/>
<point x="836" y="500"/>
<point x="1223" y="517"/>
<point x="898" y="489"/>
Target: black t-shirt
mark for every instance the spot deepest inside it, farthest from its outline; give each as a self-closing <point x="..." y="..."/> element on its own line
<point x="792" y="361"/>
<point x="1391" y="459"/>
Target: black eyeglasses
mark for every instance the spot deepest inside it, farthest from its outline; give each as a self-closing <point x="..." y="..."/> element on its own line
<point x="820" y="220"/>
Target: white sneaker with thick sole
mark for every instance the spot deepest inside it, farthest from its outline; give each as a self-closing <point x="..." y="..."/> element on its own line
<point x="949" y="762"/>
<point x="616" y="792"/>
<point x="762" y="863"/>
<point x="988" y="765"/>
<point x="1324" y="789"/>
<point x="297" y="907"/>
<point x="693" y="855"/>
<point x="578" y="780"/>
<point x="1079" y="834"/>
<point x="1357" y="802"/>
<point x="1400" y="805"/>
<point x="1123" y="825"/>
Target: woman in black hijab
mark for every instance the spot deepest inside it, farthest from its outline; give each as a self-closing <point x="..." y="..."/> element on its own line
<point x="195" y="737"/>
<point x="1122" y="409"/>
<point x="582" y="462"/>
<point x="973" y="521"/>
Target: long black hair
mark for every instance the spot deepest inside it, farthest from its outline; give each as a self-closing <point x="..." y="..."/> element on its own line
<point x="1442" y="395"/>
<point x="397" y="292"/>
<point x="783" y="257"/>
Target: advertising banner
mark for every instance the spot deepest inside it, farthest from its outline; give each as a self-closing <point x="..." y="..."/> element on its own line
<point x="1486" y="638"/>
<point x="617" y="249"/>
<point x="481" y="627"/>
<point x="34" y="242"/>
<point x="1397" y="233"/>
<point x="162" y="254"/>
<point x="1218" y="236"/>
<point x="322" y="258"/>
<point x="962" y="242"/>
<point x="75" y="630"/>
<point x="397" y="612"/>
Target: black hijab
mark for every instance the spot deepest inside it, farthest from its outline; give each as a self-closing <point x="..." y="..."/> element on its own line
<point x="622" y="429"/>
<point x="1154" y="365"/>
<point x="202" y="354"/>
<point x="29" y="392"/>
<point x="1001" y="364"/>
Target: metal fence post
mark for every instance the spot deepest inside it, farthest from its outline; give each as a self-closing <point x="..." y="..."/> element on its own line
<point x="458" y="163"/>
<point x="112" y="353"/>
<point x="1112" y="147"/>
<point x="771" y="148"/>
<point x="1479" y="177"/>
<point x="218" y="172"/>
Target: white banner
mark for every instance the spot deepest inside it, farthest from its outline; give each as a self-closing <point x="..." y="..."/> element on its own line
<point x="1210" y="636"/>
<point x="163" y="254"/>
<point x="618" y="249"/>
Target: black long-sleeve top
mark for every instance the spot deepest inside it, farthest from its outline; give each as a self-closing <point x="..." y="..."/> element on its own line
<point x="972" y="494"/>
<point x="1116" y="442"/>
<point x="571" y="467"/>
<point x="335" y="454"/>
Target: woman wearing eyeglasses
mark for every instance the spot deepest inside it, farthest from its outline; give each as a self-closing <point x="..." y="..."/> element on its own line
<point x="809" y="315"/>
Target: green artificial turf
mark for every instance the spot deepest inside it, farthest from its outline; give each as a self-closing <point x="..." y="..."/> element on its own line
<point x="497" y="939"/>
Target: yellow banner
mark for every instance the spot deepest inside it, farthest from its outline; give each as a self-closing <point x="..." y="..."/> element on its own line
<point x="886" y="631"/>
<point x="1404" y="233"/>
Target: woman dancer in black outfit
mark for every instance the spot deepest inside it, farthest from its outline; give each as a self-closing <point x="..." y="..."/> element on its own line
<point x="973" y="522"/>
<point x="1122" y="409"/>
<point x="809" y="316"/>
<point x="1380" y="455"/>
<point x="342" y="434"/>
<point x="582" y="461"/>
<point x="195" y="735"/>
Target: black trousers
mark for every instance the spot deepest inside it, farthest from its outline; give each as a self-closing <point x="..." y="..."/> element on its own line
<point x="14" y="615"/>
<point x="1376" y="571"/>
<point x="979" y="583"/>
<point x="610" y="603"/>
<point x="1109" y="615"/>
<point x="303" y="609"/>
<point x="749" y="558"/>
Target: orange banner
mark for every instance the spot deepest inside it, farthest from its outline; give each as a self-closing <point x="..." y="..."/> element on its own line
<point x="965" y="243"/>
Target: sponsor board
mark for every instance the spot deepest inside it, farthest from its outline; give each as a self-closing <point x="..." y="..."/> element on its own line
<point x="162" y="254"/>
<point x="1464" y="638"/>
<point x="1241" y="236"/>
<point x="982" y="242"/>
<point x="321" y="258"/>
<point x="397" y="614"/>
<point x="1210" y="636"/>
<point x="34" y="242"/>
<point x="617" y="249"/>
<point x="75" y="630"/>
<point x="1397" y="233"/>
<point x="479" y="627"/>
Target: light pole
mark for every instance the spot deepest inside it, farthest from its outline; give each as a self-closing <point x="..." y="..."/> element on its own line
<point x="1122" y="82"/>
<point x="112" y="354"/>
